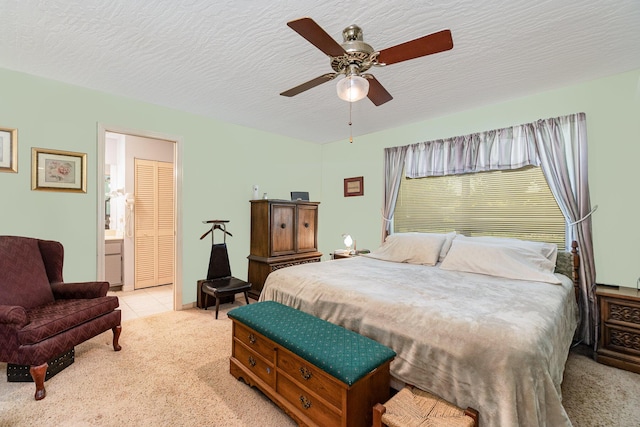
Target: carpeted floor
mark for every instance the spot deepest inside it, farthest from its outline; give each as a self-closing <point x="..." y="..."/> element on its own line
<point x="173" y="370"/>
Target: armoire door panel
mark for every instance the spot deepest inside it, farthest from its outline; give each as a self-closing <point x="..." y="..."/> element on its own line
<point x="307" y="220"/>
<point x="283" y="232"/>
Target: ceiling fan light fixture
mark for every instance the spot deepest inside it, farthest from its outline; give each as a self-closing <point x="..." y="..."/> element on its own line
<point x="352" y="88"/>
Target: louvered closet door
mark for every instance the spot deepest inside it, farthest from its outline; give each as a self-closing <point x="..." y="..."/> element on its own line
<point x="154" y="223"/>
<point x="165" y="223"/>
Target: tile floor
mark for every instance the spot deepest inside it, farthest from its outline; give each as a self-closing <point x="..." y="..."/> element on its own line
<point x="144" y="302"/>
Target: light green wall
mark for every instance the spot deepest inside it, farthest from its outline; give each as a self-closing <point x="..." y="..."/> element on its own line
<point x="612" y="106"/>
<point x="221" y="163"/>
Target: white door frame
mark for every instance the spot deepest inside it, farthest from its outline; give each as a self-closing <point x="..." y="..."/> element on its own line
<point x="177" y="158"/>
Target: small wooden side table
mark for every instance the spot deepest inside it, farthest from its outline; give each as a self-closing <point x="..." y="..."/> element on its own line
<point x="619" y="343"/>
<point x="340" y="255"/>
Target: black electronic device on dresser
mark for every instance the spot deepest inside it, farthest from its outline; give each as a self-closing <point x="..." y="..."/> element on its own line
<point x="283" y="233"/>
<point x="300" y="195"/>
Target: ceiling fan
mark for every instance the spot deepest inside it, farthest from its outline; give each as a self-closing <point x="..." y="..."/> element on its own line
<point x="354" y="57"/>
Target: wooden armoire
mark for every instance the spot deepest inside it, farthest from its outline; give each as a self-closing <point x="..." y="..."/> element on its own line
<point x="283" y="233"/>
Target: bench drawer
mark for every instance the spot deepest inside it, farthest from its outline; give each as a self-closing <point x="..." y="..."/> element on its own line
<point x="309" y="404"/>
<point x="255" y="364"/>
<point x="254" y="341"/>
<point x="310" y="376"/>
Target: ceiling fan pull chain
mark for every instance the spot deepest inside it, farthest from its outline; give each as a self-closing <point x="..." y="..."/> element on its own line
<point x="350" y="126"/>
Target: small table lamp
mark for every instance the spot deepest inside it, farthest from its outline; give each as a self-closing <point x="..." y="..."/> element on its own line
<point x="348" y="241"/>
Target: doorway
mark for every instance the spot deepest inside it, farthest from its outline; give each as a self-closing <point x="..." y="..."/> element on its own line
<point x="117" y="149"/>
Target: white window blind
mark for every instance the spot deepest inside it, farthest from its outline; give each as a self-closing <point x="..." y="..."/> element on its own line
<point x="514" y="203"/>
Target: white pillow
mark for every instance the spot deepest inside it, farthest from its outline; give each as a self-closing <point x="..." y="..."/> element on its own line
<point x="548" y="250"/>
<point x="412" y="248"/>
<point x="511" y="261"/>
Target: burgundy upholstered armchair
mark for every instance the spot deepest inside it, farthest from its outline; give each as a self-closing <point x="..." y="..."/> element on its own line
<point x="42" y="317"/>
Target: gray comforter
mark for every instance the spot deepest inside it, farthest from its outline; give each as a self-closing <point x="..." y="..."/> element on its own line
<point x="497" y="345"/>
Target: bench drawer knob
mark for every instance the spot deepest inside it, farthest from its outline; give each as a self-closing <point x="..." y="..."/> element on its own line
<point x="252" y="338"/>
<point x="306" y="403"/>
<point x="306" y="374"/>
<point x="252" y="361"/>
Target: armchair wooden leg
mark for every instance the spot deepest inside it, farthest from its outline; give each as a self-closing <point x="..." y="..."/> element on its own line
<point x="116" y="336"/>
<point x="38" y="373"/>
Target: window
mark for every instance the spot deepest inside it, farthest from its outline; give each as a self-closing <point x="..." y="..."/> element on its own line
<point x="512" y="203"/>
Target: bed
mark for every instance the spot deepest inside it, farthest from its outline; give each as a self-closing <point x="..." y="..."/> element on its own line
<point x="481" y="322"/>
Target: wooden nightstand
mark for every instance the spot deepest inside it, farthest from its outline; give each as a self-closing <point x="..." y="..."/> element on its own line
<point x="619" y="343"/>
<point x="340" y="255"/>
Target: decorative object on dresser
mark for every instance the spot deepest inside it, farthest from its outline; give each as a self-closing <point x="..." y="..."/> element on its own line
<point x="619" y="343"/>
<point x="283" y="233"/>
<point x="317" y="372"/>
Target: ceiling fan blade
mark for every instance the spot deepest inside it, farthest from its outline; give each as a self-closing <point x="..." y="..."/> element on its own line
<point x="427" y="45"/>
<point x="377" y="93"/>
<point x="318" y="37"/>
<point x="310" y="84"/>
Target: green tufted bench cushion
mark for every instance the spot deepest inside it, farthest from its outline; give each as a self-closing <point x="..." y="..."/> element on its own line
<point x="344" y="354"/>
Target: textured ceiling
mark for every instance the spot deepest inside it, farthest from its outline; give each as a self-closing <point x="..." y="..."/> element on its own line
<point x="230" y="59"/>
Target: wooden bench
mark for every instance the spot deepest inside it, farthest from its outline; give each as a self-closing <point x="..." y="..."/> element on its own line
<point x="317" y="372"/>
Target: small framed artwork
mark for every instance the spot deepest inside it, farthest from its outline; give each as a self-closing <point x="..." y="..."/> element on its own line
<point x="354" y="186"/>
<point x="8" y="150"/>
<point x="55" y="170"/>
